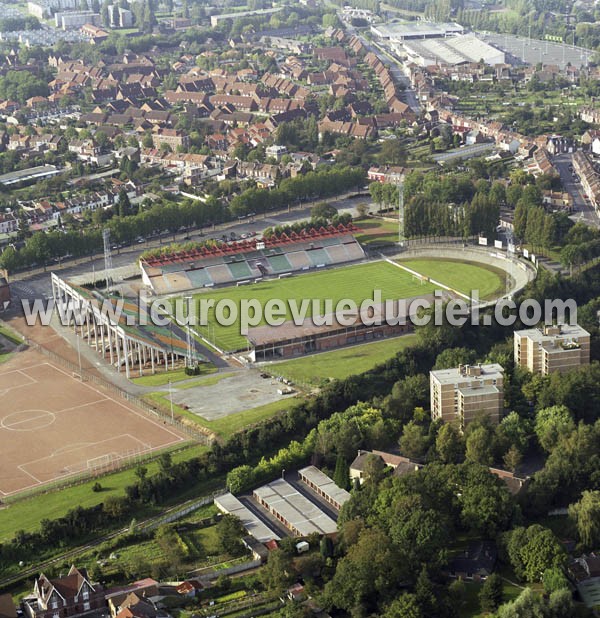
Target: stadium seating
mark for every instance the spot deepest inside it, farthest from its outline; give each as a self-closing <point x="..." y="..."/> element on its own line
<point x="299" y="260"/>
<point x="240" y="270"/>
<point x="220" y="274"/>
<point x="279" y="264"/>
<point x="318" y="257"/>
<point x="337" y="254"/>
<point x="186" y="271"/>
<point x="199" y="278"/>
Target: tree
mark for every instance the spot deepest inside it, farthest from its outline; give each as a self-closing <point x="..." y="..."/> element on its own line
<point x="486" y="505"/>
<point x="323" y="211"/>
<point x="392" y="153"/>
<point x="512" y="458"/>
<point x="276" y="574"/>
<point x="490" y="595"/>
<point x="533" y="550"/>
<point x="586" y="515"/>
<point x="450" y="444"/>
<point x="405" y="606"/>
<point x="229" y="532"/>
<point x="480" y="445"/>
<point x="414" y="441"/>
<point x="365" y="575"/>
<point x="124" y="205"/>
<point x="240" y="478"/>
<point x="341" y="475"/>
<point x="554" y="579"/>
<point x="552" y="423"/>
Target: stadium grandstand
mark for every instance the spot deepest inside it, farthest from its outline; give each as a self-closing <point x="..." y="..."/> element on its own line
<point x="249" y="260"/>
<point x="120" y="330"/>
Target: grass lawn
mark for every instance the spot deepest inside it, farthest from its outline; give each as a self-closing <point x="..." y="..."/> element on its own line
<point x="227" y="426"/>
<point x="210" y="381"/>
<point x="462" y="276"/>
<point x="9" y="334"/>
<point x="340" y="364"/>
<point x="377" y="232"/>
<point x="162" y="378"/>
<point x="26" y="514"/>
<point x="351" y="282"/>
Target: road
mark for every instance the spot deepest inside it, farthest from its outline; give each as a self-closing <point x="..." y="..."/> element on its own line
<point x="395" y="66"/>
<point x="584" y="211"/>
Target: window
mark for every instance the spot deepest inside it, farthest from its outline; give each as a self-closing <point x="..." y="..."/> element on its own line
<point x="86" y="606"/>
<point x="86" y="595"/>
<point x="54" y="604"/>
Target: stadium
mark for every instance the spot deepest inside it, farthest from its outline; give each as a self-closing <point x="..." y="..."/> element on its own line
<point x="318" y="266"/>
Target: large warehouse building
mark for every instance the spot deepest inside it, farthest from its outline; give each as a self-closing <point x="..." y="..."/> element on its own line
<point x="452" y="51"/>
<point x="405" y="30"/>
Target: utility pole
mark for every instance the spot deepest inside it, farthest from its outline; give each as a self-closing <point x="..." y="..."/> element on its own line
<point x="400" y="186"/>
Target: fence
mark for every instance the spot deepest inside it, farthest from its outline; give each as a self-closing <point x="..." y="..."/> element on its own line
<point x="182" y="512"/>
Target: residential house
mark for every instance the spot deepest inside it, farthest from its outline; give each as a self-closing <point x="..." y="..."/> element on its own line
<point x="174" y="138"/>
<point x="474" y="564"/>
<point x="401" y="465"/>
<point x="64" y="596"/>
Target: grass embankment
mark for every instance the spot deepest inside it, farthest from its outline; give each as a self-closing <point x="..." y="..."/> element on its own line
<point x="26" y="514"/>
<point x="225" y="427"/>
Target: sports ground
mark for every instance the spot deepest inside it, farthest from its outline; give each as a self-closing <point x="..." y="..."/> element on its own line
<point x="57" y="426"/>
<point x="356" y="282"/>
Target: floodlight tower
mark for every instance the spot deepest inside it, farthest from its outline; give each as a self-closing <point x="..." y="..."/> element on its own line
<point x="108" y="267"/>
<point x="400" y="185"/>
<point x="510" y="252"/>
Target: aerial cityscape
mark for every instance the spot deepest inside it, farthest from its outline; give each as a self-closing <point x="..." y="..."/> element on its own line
<point x="299" y="309"/>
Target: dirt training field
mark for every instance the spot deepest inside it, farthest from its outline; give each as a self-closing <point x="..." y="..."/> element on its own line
<point x="53" y="425"/>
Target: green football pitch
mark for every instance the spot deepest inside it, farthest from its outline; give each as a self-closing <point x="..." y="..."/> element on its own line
<point x="461" y="276"/>
<point x="356" y="283"/>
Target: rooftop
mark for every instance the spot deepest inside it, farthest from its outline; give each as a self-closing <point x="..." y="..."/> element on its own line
<point x="466" y="373"/>
<point x="297" y="510"/>
<point x="325" y="484"/>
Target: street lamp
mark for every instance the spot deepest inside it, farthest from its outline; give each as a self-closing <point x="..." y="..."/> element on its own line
<point x="171" y="400"/>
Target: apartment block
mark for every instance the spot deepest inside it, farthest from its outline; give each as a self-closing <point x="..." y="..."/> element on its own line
<point x="552" y="348"/>
<point x="464" y="393"/>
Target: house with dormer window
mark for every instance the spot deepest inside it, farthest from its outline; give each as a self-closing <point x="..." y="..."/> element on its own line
<point x="64" y="597"/>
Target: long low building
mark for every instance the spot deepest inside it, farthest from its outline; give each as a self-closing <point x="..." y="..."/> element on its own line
<point x="293" y="510"/>
<point x="229" y="504"/>
<point x="325" y="487"/>
<point x="452" y="51"/>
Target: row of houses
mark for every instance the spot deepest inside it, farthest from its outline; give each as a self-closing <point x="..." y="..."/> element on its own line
<point x="590" y="179"/>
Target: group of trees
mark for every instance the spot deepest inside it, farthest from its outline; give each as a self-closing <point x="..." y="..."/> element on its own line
<point x="451" y="205"/>
<point x="127" y="223"/>
<point x="312" y="185"/>
<point x="22" y="85"/>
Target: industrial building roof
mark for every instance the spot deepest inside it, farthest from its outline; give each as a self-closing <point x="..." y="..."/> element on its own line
<point x="228" y="503"/>
<point x="455" y="50"/>
<point x="297" y="511"/>
<point x="415" y="29"/>
<point x="325" y="484"/>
